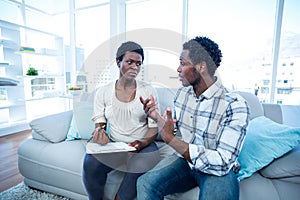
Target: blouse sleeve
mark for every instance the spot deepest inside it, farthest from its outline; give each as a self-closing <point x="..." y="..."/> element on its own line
<point x="99" y="106"/>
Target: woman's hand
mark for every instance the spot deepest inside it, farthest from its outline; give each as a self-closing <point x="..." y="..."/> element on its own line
<point x="100" y="136"/>
<point x="137" y="144"/>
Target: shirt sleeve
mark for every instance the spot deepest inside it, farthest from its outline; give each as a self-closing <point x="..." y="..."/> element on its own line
<point x="231" y="134"/>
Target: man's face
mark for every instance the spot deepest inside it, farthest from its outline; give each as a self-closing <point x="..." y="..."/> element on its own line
<point x="188" y="74"/>
<point x="130" y="65"/>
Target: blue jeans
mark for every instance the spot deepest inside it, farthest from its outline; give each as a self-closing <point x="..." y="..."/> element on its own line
<point x="174" y="175"/>
<point x="97" y="166"/>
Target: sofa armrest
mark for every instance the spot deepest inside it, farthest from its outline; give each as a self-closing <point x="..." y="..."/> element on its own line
<point x="53" y="128"/>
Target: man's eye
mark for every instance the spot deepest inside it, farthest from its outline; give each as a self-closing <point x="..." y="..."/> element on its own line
<point x="138" y="64"/>
<point x="129" y="62"/>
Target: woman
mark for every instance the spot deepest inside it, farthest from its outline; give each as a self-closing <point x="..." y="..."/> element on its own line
<point x="118" y="104"/>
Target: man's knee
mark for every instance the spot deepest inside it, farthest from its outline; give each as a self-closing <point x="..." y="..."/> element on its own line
<point x="140" y="184"/>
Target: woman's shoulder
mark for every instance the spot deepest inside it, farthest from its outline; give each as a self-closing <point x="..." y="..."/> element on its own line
<point x="105" y="88"/>
<point x="145" y="86"/>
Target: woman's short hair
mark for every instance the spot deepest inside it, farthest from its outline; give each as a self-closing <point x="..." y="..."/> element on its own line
<point x="129" y="47"/>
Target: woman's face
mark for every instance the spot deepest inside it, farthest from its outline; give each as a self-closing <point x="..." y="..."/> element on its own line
<point x="130" y="65"/>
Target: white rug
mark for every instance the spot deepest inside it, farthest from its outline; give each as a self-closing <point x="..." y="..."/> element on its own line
<point x="22" y="192"/>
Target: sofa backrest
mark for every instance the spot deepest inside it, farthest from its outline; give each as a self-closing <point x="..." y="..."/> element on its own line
<point x="166" y="96"/>
<point x="273" y="111"/>
<point x="256" y="108"/>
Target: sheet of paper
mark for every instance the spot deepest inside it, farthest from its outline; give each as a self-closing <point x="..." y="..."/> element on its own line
<point x="111" y="147"/>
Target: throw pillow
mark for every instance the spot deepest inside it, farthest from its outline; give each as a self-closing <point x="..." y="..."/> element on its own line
<point x="81" y="126"/>
<point x="48" y="128"/>
<point x="265" y="141"/>
<point x="73" y="133"/>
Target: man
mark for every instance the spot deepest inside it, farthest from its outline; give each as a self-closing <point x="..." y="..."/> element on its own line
<point x="211" y="125"/>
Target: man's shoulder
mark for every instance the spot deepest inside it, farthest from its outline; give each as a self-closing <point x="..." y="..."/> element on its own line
<point x="233" y="97"/>
<point x="184" y="90"/>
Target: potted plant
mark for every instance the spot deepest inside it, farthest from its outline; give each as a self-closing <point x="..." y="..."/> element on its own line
<point x="32" y="72"/>
<point x="75" y="90"/>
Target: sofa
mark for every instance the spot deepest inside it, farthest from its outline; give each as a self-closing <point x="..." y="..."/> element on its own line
<point x="52" y="163"/>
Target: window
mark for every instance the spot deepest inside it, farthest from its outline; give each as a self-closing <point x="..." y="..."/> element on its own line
<point x="10" y="12"/>
<point x="289" y="52"/>
<point x="233" y="26"/>
<point x="92" y="28"/>
<point x="265" y="90"/>
<point x="266" y="82"/>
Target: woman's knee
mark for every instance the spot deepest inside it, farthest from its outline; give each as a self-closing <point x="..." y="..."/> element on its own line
<point x="89" y="162"/>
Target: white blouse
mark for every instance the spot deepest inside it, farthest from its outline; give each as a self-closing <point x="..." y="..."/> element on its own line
<point x="127" y="121"/>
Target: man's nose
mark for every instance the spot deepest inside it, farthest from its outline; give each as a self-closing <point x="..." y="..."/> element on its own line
<point x="179" y="68"/>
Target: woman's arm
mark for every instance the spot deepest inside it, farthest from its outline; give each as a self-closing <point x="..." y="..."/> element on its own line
<point x="142" y="143"/>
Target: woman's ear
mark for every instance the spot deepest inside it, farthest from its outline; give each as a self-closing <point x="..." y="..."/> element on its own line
<point x="118" y="63"/>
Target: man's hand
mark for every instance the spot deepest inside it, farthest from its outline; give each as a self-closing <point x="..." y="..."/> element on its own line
<point x="150" y="107"/>
<point x="100" y="136"/>
<point x="166" y="126"/>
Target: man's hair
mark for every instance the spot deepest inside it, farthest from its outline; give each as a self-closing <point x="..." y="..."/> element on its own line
<point x="204" y="49"/>
<point x="129" y="47"/>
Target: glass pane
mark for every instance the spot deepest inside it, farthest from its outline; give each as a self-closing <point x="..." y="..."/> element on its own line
<point x="160" y="64"/>
<point x="92" y="28"/>
<point x="288" y="71"/>
<point x="50" y="7"/>
<point x="39" y="21"/>
<point x="165" y="14"/>
<point x="244" y="32"/>
<point x="10" y="12"/>
<point x="86" y="3"/>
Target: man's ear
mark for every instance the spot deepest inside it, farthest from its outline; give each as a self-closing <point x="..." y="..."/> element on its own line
<point x="201" y="67"/>
<point x="198" y="67"/>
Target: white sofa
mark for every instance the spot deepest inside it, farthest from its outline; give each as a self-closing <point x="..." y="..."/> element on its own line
<point x="50" y="163"/>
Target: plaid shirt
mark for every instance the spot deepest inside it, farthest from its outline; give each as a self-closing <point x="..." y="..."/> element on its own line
<point x="214" y="125"/>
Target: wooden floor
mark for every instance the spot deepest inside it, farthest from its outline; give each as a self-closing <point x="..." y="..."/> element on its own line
<point x="9" y="172"/>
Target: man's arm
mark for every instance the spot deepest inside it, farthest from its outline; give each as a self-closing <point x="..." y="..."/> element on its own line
<point x="166" y="129"/>
<point x="150" y="107"/>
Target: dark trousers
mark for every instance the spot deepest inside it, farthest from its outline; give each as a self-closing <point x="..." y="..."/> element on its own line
<point x="97" y="166"/>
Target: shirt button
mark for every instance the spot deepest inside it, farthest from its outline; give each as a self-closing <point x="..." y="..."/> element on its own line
<point x="191" y="116"/>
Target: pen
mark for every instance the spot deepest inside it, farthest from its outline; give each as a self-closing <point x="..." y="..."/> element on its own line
<point x="102" y="127"/>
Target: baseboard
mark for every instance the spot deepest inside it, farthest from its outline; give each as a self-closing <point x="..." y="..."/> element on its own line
<point x="8" y="129"/>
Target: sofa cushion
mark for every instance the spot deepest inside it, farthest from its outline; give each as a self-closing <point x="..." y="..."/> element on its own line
<point x="81" y="126"/>
<point x="53" y="128"/>
<point x="265" y="141"/>
<point x="285" y="166"/>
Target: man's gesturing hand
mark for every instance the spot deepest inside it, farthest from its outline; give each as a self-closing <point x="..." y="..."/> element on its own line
<point x="150" y="107"/>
